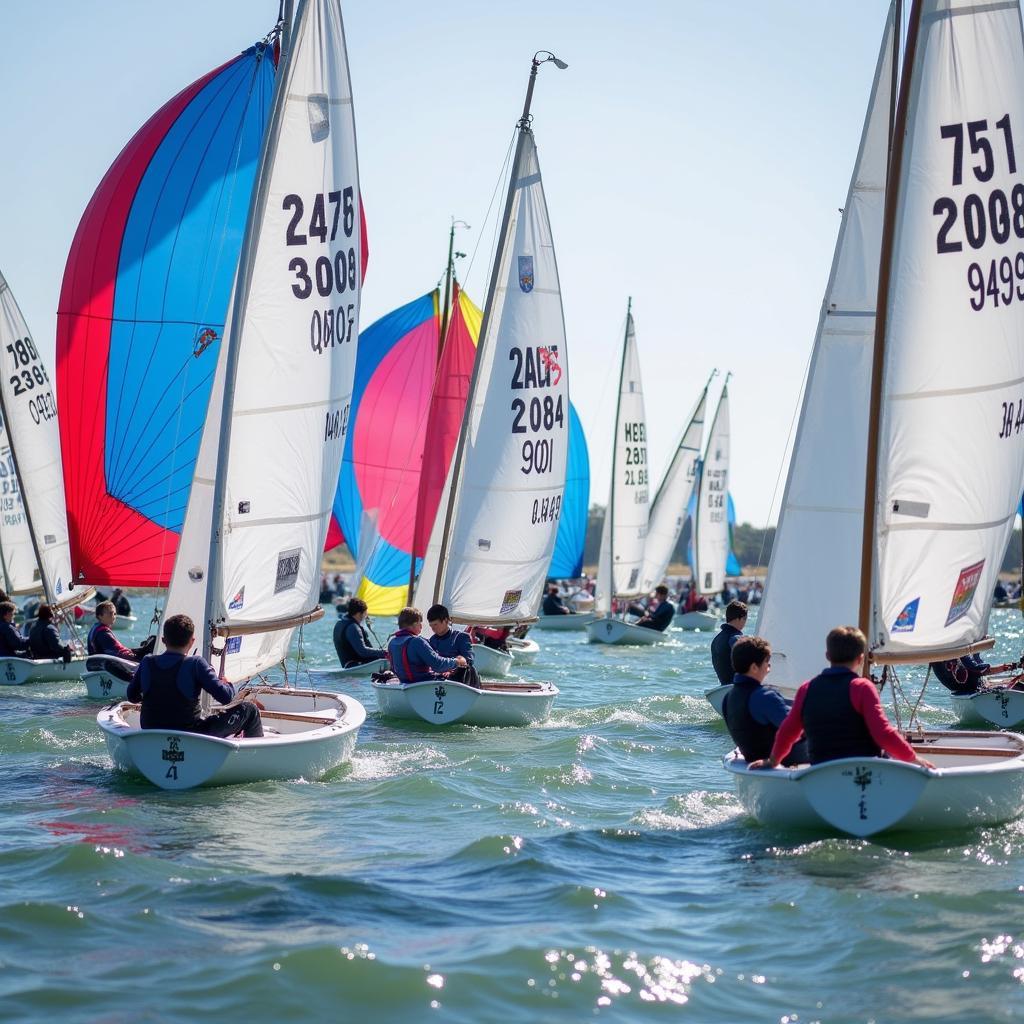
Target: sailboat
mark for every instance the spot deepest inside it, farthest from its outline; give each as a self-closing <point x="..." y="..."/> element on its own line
<point x="710" y="541"/>
<point x="625" y="522"/>
<point x="248" y="564"/>
<point x="935" y="423"/>
<point x="494" y="534"/>
<point x="29" y="414"/>
<point x="672" y="499"/>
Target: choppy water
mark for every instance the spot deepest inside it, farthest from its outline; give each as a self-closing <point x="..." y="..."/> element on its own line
<point x="596" y="867"/>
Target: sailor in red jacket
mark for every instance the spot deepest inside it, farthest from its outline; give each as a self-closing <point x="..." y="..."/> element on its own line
<point x="839" y="711"/>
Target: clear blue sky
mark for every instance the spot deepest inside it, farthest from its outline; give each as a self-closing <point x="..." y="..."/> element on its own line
<point x="695" y="155"/>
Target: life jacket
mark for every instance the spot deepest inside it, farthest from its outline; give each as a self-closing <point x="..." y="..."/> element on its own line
<point x="752" y="737"/>
<point x="164" y="705"/>
<point x="408" y="670"/>
<point x="92" y="647"/>
<point x="346" y="652"/>
<point x="833" y="727"/>
<point x="721" y="653"/>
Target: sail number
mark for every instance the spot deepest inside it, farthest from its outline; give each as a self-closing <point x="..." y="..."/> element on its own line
<point x="1000" y="283"/>
<point x="1011" y="420"/>
<point x="336" y="423"/>
<point x="715" y="503"/>
<point x="536" y="368"/>
<point x="30" y="378"/>
<point x="546" y="510"/>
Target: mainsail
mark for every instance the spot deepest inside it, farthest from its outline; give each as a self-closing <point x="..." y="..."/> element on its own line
<point x="279" y="416"/>
<point x="142" y="314"/>
<point x="19" y="573"/>
<point x="951" y="436"/>
<point x="407" y="406"/>
<point x="567" y="561"/>
<point x="822" y="513"/>
<point x="29" y="412"/>
<point x="670" y="505"/>
<point x="625" y="521"/>
<point x="494" y="533"/>
<point x="711" y="521"/>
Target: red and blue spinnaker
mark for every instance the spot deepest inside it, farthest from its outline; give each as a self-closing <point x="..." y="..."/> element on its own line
<point x="142" y="313"/>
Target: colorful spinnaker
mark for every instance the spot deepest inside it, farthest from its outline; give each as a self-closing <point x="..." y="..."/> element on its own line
<point x="567" y="562"/>
<point x="141" y="317"/>
<point x="407" y="407"/>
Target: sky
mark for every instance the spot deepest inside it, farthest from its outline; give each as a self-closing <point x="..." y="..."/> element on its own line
<point x="695" y="156"/>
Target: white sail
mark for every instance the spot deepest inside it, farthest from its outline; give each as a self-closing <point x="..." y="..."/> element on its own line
<point x="951" y="442"/>
<point x="625" y="521"/>
<point x="288" y="366"/>
<point x="668" y="510"/>
<point x="711" y="526"/>
<point x="19" y="573"/>
<point x="815" y="570"/>
<point x="496" y="525"/>
<point x="30" y="414"/>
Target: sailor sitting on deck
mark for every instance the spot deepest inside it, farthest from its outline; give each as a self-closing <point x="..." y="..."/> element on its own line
<point x="351" y="640"/>
<point x="726" y="638"/>
<point x="107" y="653"/>
<point x="170" y="684"/>
<point x="452" y="643"/>
<point x="121" y="603"/>
<point x="753" y="712"/>
<point x="412" y="659"/>
<point x="44" y="639"/>
<point x="12" y="643"/>
<point x="839" y="711"/>
<point x="660" y="617"/>
<point x="495" y="637"/>
<point x="962" y="675"/>
<point x="553" y="603"/>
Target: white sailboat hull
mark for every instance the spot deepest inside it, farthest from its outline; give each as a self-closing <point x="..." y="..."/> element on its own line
<point x="315" y="735"/>
<point x="616" y="631"/>
<point x="524" y="652"/>
<point x="716" y="697"/>
<point x="578" y="622"/>
<point x="1003" y="708"/>
<point x="490" y="662"/>
<point x="125" y="623"/>
<point x="978" y="780"/>
<point x="697" y="620"/>
<point x="362" y="671"/>
<point x="442" y="702"/>
<point x="25" y="671"/>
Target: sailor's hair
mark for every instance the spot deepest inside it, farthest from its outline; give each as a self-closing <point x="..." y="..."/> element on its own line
<point x="409" y="617"/>
<point x="749" y="651"/>
<point x="845" y="644"/>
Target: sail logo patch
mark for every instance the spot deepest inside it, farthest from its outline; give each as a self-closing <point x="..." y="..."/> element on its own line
<point x="235" y="604"/>
<point x="287" y="570"/>
<point x="963" y="593"/>
<point x="234" y="645"/>
<point x="907" y="619"/>
<point x="549" y="357"/>
<point x="526" y="273"/>
<point x="319" y="108"/>
<point x="510" y="602"/>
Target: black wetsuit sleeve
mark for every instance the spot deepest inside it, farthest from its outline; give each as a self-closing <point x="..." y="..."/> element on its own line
<point x="207" y="680"/>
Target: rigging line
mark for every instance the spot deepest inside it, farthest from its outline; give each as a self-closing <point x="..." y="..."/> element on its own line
<point x="202" y="136"/>
<point x="490" y="206"/>
<point x="190" y="137"/>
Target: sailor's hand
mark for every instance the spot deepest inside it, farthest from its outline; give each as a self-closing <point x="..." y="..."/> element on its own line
<point x="924" y="762"/>
<point x="764" y="764"/>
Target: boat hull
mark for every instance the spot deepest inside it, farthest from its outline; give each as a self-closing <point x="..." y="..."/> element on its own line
<point x="524" y="652"/>
<point x="978" y="780"/>
<point x="125" y="623"/>
<point x="697" y="620"/>
<point x="25" y="671"/>
<point x="442" y="702"/>
<point x="1003" y="708"/>
<point x="616" y="631"/>
<point x="491" y="663"/>
<point x="363" y="671"/>
<point x="566" y="623"/>
<point x="299" y="744"/>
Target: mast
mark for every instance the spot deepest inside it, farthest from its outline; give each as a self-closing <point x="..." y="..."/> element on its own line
<point x="492" y="287"/>
<point x="892" y="185"/>
<point x="696" y="511"/>
<point x="287" y="12"/>
<point x="610" y="513"/>
<point x="238" y="305"/>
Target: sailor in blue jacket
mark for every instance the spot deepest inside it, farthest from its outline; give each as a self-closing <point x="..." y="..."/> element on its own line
<point x="661" y="616"/>
<point x="12" y="643"/>
<point x="412" y="659"/>
<point x="350" y="637"/>
<point x="448" y="642"/>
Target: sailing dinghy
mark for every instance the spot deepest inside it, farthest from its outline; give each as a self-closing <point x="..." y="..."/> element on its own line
<point x="942" y="469"/>
<point x="625" y="522"/>
<point x="248" y="563"/>
<point x="35" y="494"/>
<point x="494" y="533"/>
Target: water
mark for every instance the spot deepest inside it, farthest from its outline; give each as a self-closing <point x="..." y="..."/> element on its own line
<point x="597" y="867"/>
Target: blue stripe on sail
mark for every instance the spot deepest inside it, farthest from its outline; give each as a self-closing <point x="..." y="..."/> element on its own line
<point x="567" y="561"/>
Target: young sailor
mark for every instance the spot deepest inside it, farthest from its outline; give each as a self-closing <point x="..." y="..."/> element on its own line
<point x="121" y="603"/>
<point x="753" y="712"/>
<point x="412" y="659"/>
<point x="170" y="684"/>
<point x="660" y="617"/>
<point x="725" y="638"/>
<point x="553" y="603"/>
<point x="839" y="711"/>
<point x="351" y="640"/>
<point x="44" y="638"/>
<point x="448" y="642"/>
<point x="13" y="644"/>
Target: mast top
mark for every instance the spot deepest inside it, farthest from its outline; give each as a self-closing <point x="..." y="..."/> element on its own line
<point x="540" y="57"/>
